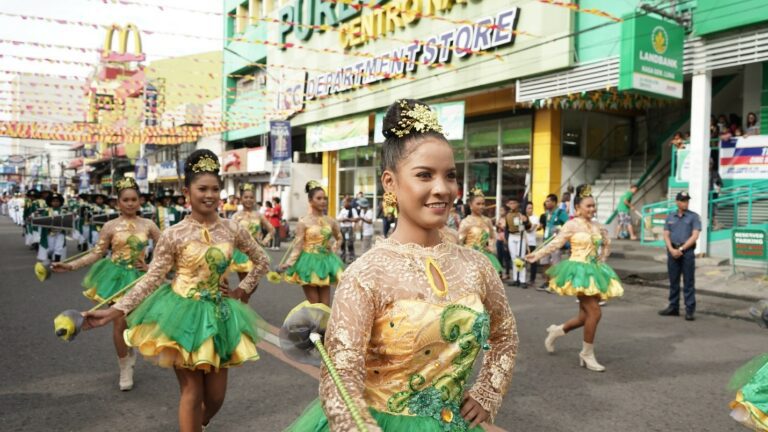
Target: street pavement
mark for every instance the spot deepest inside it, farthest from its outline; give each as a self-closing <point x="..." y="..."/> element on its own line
<point x="664" y="374"/>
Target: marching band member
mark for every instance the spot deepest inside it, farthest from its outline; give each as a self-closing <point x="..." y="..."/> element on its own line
<point x="53" y="242"/>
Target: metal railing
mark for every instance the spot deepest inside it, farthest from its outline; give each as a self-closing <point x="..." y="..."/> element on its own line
<point x="602" y="161"/>
<point x="655" y="214"/>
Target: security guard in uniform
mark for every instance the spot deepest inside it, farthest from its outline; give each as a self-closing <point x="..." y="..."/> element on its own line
<point x="681" y="231"/>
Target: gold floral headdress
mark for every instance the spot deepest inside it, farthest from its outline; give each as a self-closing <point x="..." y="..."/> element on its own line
<point x="419" y="118"/>
<point x="206" y="164"/>
<point x="477" y="192"/>
<point x="126" y="183"/>
<point x="586" y="191"/>
<point x="247" y="187"/>
<point x="314" y="184"/>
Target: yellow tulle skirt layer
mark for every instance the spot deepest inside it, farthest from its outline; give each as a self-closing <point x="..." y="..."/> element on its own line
<point x="240" y="263"/>
<point x="748" y="414"/>
<point x="162" y="351"/>
<point x="575" y="278"/>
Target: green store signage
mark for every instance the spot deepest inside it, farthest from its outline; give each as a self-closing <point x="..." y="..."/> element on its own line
<point x="651" y="56"/>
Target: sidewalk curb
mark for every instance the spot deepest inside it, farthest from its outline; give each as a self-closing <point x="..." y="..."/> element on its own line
<point x="702" y="291"/>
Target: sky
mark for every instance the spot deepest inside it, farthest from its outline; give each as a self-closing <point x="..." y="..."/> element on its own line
<point x="146" y="14"/>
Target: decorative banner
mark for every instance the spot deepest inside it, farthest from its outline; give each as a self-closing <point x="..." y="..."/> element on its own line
<point x="651" y="58"/>
<point x="450" y="116"/>
<point x="744" y="158"/>
<point x="142" y="174"/>
<point x="234" y="161"/>
<point x="280" y="141"/>
<point x="683" y="167"/>
<point x="749" y="244"/>
<point x="337" y="135"/>
<point x="609" y="100"/>
<point x="85" y="183"/>
<point x="167" y="170"/>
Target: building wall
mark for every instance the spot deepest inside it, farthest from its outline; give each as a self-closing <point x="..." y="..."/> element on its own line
<point x="188" y="79"/>
<point x="35" y="99"/>
<point x="239" y="58"/>
<point x="601" y="42"/>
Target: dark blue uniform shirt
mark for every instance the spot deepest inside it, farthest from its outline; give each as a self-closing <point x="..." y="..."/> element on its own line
<point x="681" y="227"/>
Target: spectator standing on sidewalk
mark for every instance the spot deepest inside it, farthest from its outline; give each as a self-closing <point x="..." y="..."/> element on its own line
<point x="624" y="215"/>
<point x="517" y="223"/>
<point x="275" y="218"/>
<point x="681" y="231"/>
<point x="347" y="218"/>
<point x="552" y="220"/>
<point x="366" y="219"/>
<point x="502" y="250"/>
<point x="531" y="239"/>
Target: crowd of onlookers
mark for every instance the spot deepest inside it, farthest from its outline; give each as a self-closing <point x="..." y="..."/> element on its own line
<point x="722" y="128"/>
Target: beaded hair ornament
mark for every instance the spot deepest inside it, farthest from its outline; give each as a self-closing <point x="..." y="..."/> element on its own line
<point x="126" y="183"/>
<point x="247" y="187"/>
<point x="586" y="191"/>
<point x="419" y="118"/>
<point x="206" y="164"/>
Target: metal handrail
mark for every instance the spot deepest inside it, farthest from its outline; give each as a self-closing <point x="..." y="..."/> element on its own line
<point x="592" y="153"/>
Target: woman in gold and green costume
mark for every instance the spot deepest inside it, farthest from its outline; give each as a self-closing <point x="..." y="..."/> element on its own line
<point x="127" y="238"/>
<point x="411" y="316"/>
<point x="192" y="324"/>
<point x="313" y="262"/>
<point x="584" y="275"/>
<point x="476" y="230"/>
<point x="255" y="223"/>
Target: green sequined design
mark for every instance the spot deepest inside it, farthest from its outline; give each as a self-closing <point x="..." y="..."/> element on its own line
<point x="137" y="248"/>
<point x="469" y="330"/>
<point x="326" y="232"/>
<point x="255" y="229"/>
<point x="208" y="289"/>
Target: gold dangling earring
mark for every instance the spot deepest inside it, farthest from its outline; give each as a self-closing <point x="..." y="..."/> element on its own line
<point x="390" y="199"/>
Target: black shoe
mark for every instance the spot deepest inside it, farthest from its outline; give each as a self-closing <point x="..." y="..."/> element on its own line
<point x="524" y="285"/>
<point x="516" y="283"/>
<point x="669" y="312"/>
<point x="689" y="316"/>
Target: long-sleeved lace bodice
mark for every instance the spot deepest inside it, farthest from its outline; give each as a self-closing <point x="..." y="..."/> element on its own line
<point x="314" y="234"/>
<point x="200" y="254"/>
<point x="406" y="346"/>
<point x="126" y="238"/>
<point x="476" y="232"/>
<point x="254" y="222"/>
<point x="589" y="240"/>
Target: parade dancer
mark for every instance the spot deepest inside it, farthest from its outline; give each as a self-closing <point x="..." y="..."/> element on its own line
<point x="584" y="275"/>
<point x="255" y="223"/>
<point x="53" y="242"/>
<point x="476" y="231"/>
<point x="189" y="324"/>
<point x="126" y="237"/>
<point x="411" y="316"/>
<point x="313" y="262"/>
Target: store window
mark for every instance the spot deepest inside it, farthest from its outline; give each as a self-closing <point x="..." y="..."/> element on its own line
<point x="495" y="157"/>
<point x="359" y="172"/>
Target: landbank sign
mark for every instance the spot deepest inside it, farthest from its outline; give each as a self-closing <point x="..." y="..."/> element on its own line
<point x="651" y="56"/>
<point x="362" y="57"/>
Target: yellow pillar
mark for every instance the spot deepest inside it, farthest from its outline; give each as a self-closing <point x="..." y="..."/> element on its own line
<point x="547" y="162"/>
<point x="330" y="168"/>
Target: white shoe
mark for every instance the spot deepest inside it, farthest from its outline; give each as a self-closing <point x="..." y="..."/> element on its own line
<point x="553" y="332"/>
<point x="126" y="370"/>
<point x="587" y="358"/>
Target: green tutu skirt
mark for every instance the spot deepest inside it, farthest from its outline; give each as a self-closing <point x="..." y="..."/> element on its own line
<point x="319" y="269"/>
<point x="750" y="407"/>
<point x="313" y="420"/>
<point x="240" y="262"/>
<point x="206" y="334"/>
<point x="576" y="278"/>
<point x="494" y="261"/>
<point x="106" y="278"/>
